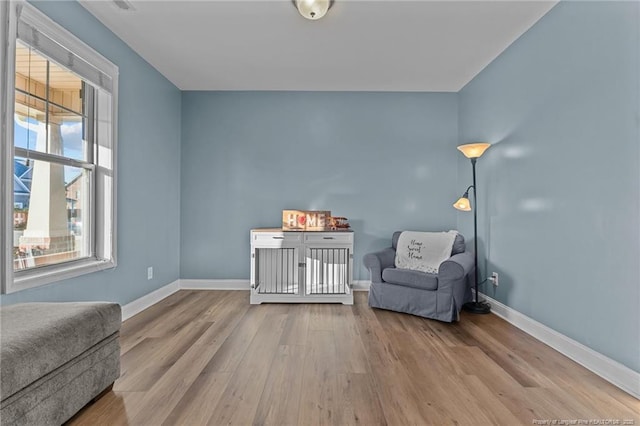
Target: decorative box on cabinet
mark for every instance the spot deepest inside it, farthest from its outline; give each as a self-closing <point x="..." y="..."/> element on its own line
<point x="301" y="267"/>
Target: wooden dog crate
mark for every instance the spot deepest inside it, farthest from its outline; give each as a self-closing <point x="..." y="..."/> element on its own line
<point x="290" y="267"/>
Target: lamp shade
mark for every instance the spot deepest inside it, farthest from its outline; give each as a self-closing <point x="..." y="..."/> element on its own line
<point x="463" y="204"/>
<point x="312" y="9"/>
<point x="474" y="150"/>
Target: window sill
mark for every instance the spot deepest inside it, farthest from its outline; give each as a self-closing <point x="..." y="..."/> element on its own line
<point x="39" y="277"/>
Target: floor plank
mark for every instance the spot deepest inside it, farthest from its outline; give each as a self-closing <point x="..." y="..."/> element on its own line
<point x="280" y="397"/>
<point x="319" y="399"/>
<point x="239" y="402"/>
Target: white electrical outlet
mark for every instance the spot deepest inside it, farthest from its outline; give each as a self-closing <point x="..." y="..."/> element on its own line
<point x="494" y="279"/>
<point x="150" y="272"/>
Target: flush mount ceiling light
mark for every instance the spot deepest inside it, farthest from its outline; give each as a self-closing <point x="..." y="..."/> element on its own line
<point x="124" y="5"/>
<point x="312" y="9"/>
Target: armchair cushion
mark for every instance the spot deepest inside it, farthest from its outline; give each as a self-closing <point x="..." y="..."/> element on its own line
<point x="410" y="278"/>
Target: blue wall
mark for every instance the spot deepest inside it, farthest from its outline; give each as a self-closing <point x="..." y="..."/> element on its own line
<point x="386" y="161"/>
<point x="148" y="174"/>
<point x="560" y="189"/>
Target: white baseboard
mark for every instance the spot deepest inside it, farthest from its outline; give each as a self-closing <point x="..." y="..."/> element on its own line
<point x="361" y="285"/>
<point x="142" y="303"/>
<point x="610" y="370"/>
<point x="214" y="284"/>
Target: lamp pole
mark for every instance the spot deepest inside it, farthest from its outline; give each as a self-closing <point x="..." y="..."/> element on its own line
<point x="476" y="307"/>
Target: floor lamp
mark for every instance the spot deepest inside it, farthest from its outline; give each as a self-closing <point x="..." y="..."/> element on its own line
<point x="473" y="151"/>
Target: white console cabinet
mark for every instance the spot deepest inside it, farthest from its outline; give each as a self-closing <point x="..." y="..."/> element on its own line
<point x="301" y="266"/>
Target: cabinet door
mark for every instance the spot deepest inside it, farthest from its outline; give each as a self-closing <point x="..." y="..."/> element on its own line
<point x="276" y="270"/>
<point x="327" y="269"/>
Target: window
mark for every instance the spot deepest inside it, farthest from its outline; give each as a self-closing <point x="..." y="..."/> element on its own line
<point x="59" y="129"/>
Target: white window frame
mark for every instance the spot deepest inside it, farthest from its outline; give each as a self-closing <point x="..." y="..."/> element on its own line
<point x="104" y="245"/>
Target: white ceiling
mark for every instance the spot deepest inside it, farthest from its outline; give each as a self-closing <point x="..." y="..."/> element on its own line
<point x="384" y="45"/>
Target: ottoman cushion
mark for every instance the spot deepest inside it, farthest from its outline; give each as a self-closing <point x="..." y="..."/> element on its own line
<point x="37" y="338"/>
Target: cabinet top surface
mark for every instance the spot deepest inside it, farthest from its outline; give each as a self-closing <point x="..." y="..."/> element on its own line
<point x="296" y="232"/>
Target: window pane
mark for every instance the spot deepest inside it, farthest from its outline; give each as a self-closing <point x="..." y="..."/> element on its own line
<point x="51" y="220"/>
<point x="49" y="107"/>
<point x="73" y="145"/>
<point x="64" y="138"/>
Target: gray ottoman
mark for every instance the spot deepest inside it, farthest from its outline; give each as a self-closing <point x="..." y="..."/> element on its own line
<point x="55" y="358"/>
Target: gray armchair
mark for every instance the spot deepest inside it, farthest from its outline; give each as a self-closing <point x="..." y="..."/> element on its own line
<point x="438" y="296"/>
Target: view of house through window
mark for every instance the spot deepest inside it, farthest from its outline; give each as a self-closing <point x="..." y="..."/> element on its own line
<point x="53" y="163"/>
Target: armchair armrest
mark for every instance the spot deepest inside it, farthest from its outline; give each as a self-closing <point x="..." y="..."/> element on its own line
<point x="456" y="267"/>
<point x="454" y="278"/>
<point x="376" y="262"/>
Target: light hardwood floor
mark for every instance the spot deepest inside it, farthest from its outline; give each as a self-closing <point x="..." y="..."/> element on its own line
<point x="208" y="357"/>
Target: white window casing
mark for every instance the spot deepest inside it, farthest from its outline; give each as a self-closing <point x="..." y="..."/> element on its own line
<point x="23" y="21"/>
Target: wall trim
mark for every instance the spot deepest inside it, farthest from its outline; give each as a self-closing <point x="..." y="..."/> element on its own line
<point x="612" y="371"/>
<point x="135" y="307"/>
<point x="214" y="284"/>
<point x="361" y="285"/>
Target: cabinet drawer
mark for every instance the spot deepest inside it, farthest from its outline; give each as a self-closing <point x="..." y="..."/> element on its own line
<point x="275" y="239"/>
<point x="329" y="237"/>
